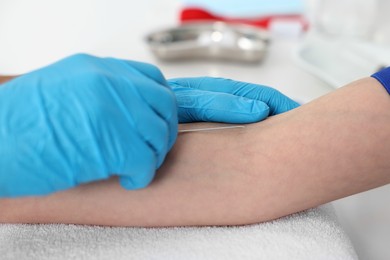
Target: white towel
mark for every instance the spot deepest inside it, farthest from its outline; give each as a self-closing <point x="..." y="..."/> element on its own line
<point x="312" y="234"/>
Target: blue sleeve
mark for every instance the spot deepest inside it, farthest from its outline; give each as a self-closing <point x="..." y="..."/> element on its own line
<point x="383" y="76"/>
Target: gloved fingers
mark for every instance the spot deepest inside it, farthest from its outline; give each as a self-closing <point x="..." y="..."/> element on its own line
<point x="140" y="169"/>
<point x="139" y="92"/>
<point x="277" y="102"/>
<point x="198" y="105"/>
<point x="162" y="101"/>
<point x="144" y="69"/>
<point x="209" y="84"/>
<point x="143" y="181"/>
<point x="159" y="97"/>
<point x="148" y="70"/>
<point x="155" y="124"/>
<point x="154" y="131"/>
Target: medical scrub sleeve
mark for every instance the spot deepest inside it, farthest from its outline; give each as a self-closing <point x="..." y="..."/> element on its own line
<point x="383" y="76"/>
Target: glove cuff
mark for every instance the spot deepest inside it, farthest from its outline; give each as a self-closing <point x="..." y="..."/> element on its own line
<point x="383" y="76"/>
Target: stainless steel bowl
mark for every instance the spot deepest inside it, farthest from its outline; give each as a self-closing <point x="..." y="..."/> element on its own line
<point x="210" y="40"/>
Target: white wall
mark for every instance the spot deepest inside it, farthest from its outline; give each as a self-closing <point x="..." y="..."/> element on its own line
<point x="34" y="33"/>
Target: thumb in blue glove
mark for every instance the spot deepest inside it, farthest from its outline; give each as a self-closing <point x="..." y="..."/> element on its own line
<point x="228" y="101"/>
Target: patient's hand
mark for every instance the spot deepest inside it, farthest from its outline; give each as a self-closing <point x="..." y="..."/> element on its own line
<point x="330" y="148"/>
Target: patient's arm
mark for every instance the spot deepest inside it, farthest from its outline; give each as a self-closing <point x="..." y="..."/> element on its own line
<point x="330" y="148"/>
<point x="4" y="79"/>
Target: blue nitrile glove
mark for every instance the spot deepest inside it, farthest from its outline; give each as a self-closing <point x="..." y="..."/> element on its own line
<point x="84" y="119"/>
<point x="228" y="101"/>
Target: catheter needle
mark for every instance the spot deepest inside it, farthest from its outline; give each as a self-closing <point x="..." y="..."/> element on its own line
<point x="210" y="128"/>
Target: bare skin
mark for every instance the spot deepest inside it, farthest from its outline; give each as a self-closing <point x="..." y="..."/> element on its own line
<point x="331" y="148"/>
<point x="4" y="79"/>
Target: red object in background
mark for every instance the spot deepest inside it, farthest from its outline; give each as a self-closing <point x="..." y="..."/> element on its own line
<point x="193" y="14"/>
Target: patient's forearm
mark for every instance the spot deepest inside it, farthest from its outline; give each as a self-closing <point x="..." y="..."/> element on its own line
<point x="330" y="148"/>
<point x="195" y="186"/>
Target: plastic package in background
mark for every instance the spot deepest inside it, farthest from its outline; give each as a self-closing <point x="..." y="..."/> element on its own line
<point x="344" y="19"/>
<point x="348" y="39"/>
<point x="381" y="33"/>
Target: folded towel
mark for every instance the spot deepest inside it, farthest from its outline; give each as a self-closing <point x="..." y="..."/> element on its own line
<point x="312" y="234"/>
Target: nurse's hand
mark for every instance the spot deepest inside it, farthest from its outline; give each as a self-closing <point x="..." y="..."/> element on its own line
<point x="84" y="119"/>
<point x="228" y="101"/>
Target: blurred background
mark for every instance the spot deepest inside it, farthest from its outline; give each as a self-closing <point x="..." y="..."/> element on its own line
<point x="303" y="48"/>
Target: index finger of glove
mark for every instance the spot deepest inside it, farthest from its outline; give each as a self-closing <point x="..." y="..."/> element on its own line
<point x="277" y="102"/>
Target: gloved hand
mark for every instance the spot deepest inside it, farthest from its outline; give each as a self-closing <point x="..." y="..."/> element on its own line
<point x="228" y="101"/>
<point x="84" y="119"/>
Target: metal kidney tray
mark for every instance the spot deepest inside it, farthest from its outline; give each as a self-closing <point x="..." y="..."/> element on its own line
<point x="210" y="40"/>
